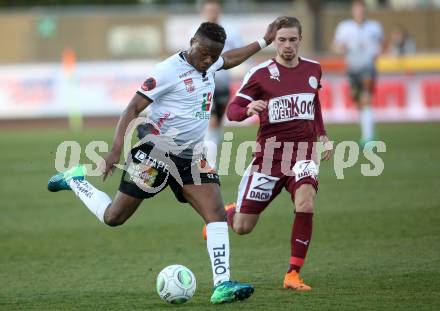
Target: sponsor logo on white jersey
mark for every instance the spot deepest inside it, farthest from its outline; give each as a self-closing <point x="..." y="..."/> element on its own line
<point x="204" y="110"/>
<point x="261" y="187"/>
<point x="292" y="107"/>
<point x="149" y="84"/>
<point x="186" y="74"/>
<point x="189" y="84"/>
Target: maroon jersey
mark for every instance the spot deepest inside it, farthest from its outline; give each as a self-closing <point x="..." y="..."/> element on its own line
<point x="293" y="113"/>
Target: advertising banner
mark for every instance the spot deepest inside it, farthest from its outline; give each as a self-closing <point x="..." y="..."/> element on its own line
<point x="105" y="88"/>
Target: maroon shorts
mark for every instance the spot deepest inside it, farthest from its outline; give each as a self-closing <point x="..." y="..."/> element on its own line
<point x="263" y="181"/>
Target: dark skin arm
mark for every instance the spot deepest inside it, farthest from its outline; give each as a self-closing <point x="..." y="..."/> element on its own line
<point x="235" y="57"/>
<point x="137" y="104"/>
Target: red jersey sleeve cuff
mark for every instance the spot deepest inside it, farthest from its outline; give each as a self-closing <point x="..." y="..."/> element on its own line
<point x="236" y="113"/>
<point x="237" y="109"/>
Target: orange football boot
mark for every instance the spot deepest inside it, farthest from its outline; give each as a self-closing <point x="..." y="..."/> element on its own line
<point x="227" y="207"/>
<point x="293" y="281"/>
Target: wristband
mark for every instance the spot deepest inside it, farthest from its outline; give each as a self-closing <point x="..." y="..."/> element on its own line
<point x="262" y="43"/>
<point x="328" y="145"/>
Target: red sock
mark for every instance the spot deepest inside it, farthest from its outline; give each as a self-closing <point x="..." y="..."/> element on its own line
<point x="230" y="216"/>
<point x="300" y="239"/>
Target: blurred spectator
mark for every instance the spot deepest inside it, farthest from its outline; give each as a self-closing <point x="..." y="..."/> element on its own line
<point x="360" y="40"/>
<point x="211" y="12"/>
<point x="400" y="43"/>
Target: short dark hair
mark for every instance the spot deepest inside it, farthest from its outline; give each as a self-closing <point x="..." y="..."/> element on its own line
<point x="212" y="31"/>
<point x="290" y="22"/>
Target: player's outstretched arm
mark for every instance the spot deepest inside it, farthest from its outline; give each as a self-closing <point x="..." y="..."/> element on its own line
<point x="321" y="132"/>
<point x="235" y="57"/>
<point x="135" y="107"/>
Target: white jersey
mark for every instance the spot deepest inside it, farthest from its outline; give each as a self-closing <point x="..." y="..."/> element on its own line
<point x="181" y="100"/>
<point x="362" y="41"/>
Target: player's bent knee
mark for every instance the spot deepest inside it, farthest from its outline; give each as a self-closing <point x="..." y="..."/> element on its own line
<point x="242" y="228"/>
<point x="244" y="223"/>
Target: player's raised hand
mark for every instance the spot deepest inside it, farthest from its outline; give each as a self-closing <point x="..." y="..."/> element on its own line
<point x="255" y="107"/>
<point x="108" y="165"/>
<point x="328" y="148"/>
<point x="272" y="29"/>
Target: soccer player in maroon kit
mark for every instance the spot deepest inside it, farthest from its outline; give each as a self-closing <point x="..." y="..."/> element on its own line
<point x="284" y="93"/>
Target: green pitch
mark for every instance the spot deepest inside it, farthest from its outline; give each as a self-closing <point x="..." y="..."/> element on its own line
<point x="376" y="243"/>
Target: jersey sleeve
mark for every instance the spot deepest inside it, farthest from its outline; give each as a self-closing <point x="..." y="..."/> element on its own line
<point x="319" y="123"/>
<point x="237" y="108"/>
<point x="218" y="64"/>
<point x="250" y="88"/>
<point x="378" y="37"/>
<point x="157" y="84"/>
<point x="249" y="91"/>
<point x="379" y="31"/>
<point x="340" y="36"/>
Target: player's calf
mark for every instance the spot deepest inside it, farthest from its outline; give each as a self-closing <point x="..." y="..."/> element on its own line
<point x="113" y="220"/>
<point x="122" y="207"/>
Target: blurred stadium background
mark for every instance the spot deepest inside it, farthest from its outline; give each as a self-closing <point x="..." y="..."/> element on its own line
<point x="98" y="51"/>
<point x="68" y="68"/>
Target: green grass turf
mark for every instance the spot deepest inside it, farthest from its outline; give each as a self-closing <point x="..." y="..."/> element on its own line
<point x="376" y="243"/>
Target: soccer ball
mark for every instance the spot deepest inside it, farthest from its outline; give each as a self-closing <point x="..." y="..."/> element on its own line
<point x="176" y="284"/>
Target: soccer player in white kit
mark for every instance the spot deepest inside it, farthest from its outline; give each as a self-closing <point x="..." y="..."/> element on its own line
<point x="360" y="40"/>
<point x="179" y="92"/>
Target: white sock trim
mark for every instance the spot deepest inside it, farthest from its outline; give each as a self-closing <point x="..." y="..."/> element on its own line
<point x="217" y="242"/>
<point x="95" y="200"/>
<point x="217" y="225"/>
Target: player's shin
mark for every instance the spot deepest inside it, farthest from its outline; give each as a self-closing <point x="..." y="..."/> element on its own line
<point x="95" y="200"/>
<point x="218" y="249"/>
<point x="300" y="239"/>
